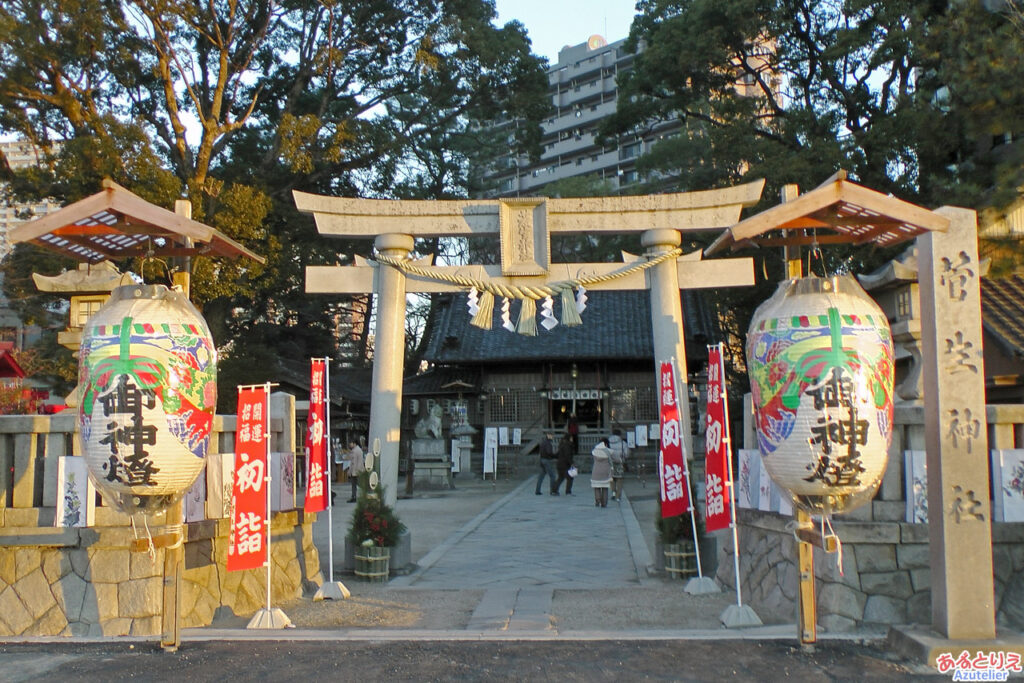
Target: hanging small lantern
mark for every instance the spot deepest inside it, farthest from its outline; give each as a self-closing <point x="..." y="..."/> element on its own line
<point x="148" y="371"/>
<point x="820" y="358"/>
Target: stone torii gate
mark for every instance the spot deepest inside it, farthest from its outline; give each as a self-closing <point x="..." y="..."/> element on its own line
<point x="524" y="227"/>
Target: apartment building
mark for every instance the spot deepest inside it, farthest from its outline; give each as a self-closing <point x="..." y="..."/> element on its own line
<point x="583" y="93"/>
<point x="21" y="154"/>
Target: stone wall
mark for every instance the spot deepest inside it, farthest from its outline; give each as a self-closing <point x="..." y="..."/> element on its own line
<point x="86" y="582"/>
<point x="885" y="576"/>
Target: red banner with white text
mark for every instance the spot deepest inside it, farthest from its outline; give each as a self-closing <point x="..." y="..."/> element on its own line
<point x="675" y="496"/>
<point x="717" y="513"/>
<point x="316" y="441"/>
<point x="248" y="546"/>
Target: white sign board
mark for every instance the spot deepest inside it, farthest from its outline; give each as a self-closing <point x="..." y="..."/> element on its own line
<point x="195" y="499"/>
<point x="76" y="495"/>
<point x="748" y="479"/>
<point x="916" y="471"/>
<point x="491" y="450"/>
<point x="1008" y="485"/>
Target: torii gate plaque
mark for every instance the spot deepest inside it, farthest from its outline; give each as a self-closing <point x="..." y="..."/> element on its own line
<point x="524" y="226"/>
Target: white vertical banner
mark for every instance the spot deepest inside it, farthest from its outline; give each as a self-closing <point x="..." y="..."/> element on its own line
<point x="195" y="499"/>
<point x="76" y="494"/>
<point x="1008" y="485"/>
<point x="456" y="460"/>
<point x="491" y="451"/>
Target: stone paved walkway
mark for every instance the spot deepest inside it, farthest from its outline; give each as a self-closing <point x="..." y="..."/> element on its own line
<point x="529" y="540"/>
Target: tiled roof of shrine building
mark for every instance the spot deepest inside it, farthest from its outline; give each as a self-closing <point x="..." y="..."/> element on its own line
<point x="616" y="326"/>
<point x="1002" y="309"/>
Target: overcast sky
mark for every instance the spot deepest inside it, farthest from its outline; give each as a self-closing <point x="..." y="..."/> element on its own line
<point x="553" y="24"/>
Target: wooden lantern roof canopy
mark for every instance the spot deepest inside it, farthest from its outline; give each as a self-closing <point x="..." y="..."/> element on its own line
<point x="115" y="224"/>
<point x="837" y="211"/>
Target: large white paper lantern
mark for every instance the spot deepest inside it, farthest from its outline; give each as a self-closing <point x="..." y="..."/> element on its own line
<point x="820" y="359"/>
<point x="148" y="371"/>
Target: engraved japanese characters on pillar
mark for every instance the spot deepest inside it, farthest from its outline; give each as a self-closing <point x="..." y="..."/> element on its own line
<point x="966" y="506"/>
<point x="955" y="274"/>
<point x="962" y="355"/>
<point x="964" y="428"/>
<point x="956" y="436"/>
<point x="525" y="242"/>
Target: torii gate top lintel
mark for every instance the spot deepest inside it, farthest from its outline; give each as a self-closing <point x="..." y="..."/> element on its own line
<point x="685" y="211"/>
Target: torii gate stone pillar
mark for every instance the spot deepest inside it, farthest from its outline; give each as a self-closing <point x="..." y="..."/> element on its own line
<point x="389" y="361"/>
<point x="524" y="227"/>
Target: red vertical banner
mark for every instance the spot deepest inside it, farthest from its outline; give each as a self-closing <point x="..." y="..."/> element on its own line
<point x="717" y="514"/>
<point x="316" y="441"/>
<point x="248" y="547"/>
<point x="675" y="496"/>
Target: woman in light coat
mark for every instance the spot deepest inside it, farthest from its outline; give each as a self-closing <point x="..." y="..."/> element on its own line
<point x="601" y="473"/>
<point x="619" y="453"/>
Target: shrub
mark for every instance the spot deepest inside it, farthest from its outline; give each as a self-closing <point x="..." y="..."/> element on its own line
<point x="373" y="520"/>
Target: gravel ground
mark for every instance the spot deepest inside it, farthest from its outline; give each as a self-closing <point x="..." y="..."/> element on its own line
<point x="381" y="608"/>
<point x="636" y="609"/>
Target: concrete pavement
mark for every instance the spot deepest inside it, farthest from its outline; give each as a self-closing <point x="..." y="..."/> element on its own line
<point x="494" y="560"/>
<point x="507" y="585"/>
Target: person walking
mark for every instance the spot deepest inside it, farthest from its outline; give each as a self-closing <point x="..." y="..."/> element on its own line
<point x="339" y="459"/>
<point x="564" y="457"/>
<point x="601" y="473"/>
<point x="572" y="428"/>
<point x="547" y="463"/>
<point x="620" y="451"/>
<point x="355" y="466"/>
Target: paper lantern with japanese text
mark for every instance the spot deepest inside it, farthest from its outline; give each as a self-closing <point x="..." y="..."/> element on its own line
<point x="148" y="373"/>
<point x="820" y="359"/>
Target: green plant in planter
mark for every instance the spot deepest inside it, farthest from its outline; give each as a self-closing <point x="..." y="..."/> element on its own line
<point x="674" y="529"/>
<point x="373" y="520"/>
<point x="678" y="528"/>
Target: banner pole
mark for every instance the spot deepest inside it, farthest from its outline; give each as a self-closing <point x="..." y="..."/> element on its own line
<point x="690" y="493"/>
<point x="729" y="480"/>
<point x="266" y="617"/>
<point x="267" y="479"/>
<point x="327" y="470"/>
<point x="331" y="589"/>
<point x="736" y="616"/>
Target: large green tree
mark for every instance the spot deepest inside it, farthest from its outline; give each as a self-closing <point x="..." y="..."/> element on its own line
<point x="236" y="103"/>
<point x="919" y="98"/>
<point x="906" y="95"/>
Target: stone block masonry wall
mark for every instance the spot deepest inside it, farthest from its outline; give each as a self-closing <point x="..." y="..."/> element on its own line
<point x="885" y="576"/>
<point x="86" y="582"/>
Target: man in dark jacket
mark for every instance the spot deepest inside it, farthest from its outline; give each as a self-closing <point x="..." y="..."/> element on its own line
<point x="564" y="462"/>
<point x="547" y="463"/>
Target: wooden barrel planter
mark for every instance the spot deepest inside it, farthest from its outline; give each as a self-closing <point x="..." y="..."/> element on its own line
<point x="372" y="563"/>
<point x="680" y="560"/>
